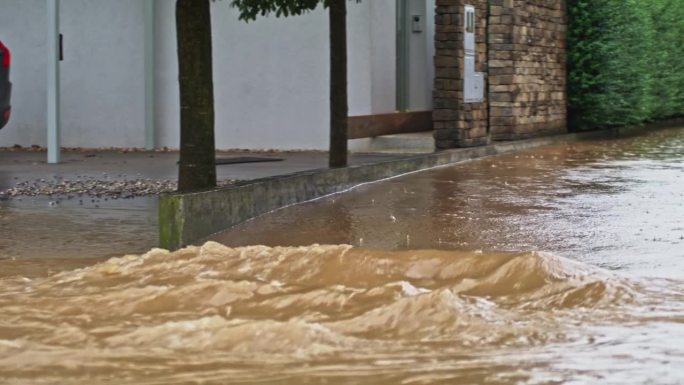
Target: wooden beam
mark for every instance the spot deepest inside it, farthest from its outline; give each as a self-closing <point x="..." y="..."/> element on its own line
<point x="368" y="126"/>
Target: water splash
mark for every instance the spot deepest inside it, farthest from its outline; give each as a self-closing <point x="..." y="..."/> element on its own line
<point x="213" y="312"/>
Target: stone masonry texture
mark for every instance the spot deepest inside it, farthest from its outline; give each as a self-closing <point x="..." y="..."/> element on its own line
<point x="458" y="124"/>
<point x="521" y="48"/>
<point x="527" y="71"/>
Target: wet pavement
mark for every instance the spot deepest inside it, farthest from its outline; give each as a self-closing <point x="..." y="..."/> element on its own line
<point x="58" y="225"/>
<point x="560" y="264"/>
<point x="590" y="200"/>
<point x="18" y="166"/>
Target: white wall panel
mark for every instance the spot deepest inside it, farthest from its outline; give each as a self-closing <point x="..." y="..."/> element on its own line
<point x="271" y="76"/>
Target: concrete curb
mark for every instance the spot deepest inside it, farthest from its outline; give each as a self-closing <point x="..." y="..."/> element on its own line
<point x="186" y="218"/>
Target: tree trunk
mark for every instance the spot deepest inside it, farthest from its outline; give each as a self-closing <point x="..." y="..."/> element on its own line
<point x="338" y="83"/>
<point x="197" y="166"/>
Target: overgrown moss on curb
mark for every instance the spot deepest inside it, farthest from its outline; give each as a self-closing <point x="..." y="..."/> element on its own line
<point x="171" y="221"/>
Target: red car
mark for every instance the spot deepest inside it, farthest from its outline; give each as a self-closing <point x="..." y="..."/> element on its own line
<point x="5" y="85"/>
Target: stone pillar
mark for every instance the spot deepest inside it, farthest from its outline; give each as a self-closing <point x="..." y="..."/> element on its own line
<point x="527" y="72"/>
<point x="456" y="123"/>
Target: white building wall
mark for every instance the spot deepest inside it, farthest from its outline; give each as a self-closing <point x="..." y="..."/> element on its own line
<point x="102" y="72"/>
<point x="383" y="38"/>
<point x="23" y="30"/>
<point x="430" y="37"/>
<point x="271" y="75"/>
<point x="103" y="84"/>
<point x="420" y="89"/>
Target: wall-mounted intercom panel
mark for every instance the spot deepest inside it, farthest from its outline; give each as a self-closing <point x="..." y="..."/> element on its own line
<point x="469" y="29"/>
<point x="417" y="23"/>
<point x="473" y="82"/>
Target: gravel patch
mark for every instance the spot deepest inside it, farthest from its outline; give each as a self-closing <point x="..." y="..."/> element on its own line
<point x="95" y="187"/>
<point x="123" y="150"/>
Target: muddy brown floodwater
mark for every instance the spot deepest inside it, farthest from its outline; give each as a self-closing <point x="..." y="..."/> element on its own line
<point x="561" y="264"/>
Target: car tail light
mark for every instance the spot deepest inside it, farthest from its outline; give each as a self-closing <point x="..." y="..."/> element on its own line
<point x="6" y="114"/>
<point x="5" y="56"/>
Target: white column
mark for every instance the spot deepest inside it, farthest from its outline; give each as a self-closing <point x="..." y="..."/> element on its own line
<point x="53" y="116"/>
<point x="149" y="74"/>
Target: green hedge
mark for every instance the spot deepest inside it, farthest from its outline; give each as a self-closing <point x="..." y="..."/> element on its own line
<point x="625" y="62"/>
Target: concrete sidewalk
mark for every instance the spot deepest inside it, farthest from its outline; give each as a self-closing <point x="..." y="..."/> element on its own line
<point x="94" y="227"/>
<point x="85" y="226"/>
<point x="22" y="165"/>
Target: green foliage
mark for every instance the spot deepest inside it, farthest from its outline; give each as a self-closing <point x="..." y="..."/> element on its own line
<point x="250" y="9"/>
<point x="625" y="62"/>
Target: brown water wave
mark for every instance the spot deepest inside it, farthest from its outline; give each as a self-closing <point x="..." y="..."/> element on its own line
<point x="214" y="313"/>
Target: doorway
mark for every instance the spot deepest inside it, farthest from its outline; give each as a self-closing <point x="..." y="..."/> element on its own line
<point x="415" y="53"/>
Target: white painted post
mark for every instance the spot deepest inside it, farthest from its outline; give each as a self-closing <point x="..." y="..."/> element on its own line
<point x="149" y="74"/>
<point x="53" y="113"/>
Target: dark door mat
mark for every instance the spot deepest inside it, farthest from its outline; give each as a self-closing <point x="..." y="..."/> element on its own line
<point x="245" y="159"/>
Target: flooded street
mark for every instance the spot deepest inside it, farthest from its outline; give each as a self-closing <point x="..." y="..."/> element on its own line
<point x="32" y="232"/>
<point x="617" y="204"/>
<point x="561" y="264"/>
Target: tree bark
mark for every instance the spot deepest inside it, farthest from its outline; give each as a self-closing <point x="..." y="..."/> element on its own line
<point x="197" y="165"/>
<point x="338" y="83"/>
